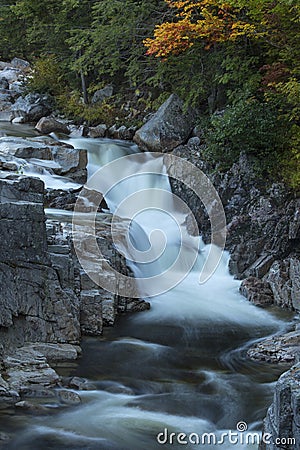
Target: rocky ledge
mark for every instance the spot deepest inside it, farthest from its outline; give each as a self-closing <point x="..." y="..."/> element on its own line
<point x="45" y="295"/>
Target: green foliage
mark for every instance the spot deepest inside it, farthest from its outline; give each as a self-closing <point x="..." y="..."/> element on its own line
<point x="254" y="78"/>
<point x="92" y="114"/>
<point x="113" y="46"/>
<point x="47" y="76"/>
<point x="248" y="126"/>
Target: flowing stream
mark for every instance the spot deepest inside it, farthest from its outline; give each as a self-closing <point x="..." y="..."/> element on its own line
<point x="180" y="367"/>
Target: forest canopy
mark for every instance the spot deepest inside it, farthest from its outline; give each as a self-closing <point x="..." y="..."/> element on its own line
<point x="236" y="61"/>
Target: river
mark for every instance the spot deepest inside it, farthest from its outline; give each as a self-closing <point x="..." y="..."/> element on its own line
<point x="180" y="367"/>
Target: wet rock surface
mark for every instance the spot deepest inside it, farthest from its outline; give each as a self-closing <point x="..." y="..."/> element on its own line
<point x="284" y="348"/>
<point x="282" y="421"/>
<point x="38" y="155"/>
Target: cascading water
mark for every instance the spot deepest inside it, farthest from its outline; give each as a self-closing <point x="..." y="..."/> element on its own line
<point x="180" y="367"/>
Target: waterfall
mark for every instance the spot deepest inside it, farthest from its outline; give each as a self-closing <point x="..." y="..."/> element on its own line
<point x="136" y="187"/>
<point x="181" y="366"/>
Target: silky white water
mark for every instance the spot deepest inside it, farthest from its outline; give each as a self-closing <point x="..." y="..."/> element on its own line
<point x="180" y="366"/>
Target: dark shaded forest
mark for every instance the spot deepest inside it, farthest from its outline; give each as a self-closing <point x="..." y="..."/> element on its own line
<point x="236" y="62"/>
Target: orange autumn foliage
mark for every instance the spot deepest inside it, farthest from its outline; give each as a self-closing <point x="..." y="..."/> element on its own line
<point x="212" y="21"/>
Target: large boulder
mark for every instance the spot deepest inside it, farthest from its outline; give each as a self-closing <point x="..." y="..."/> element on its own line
<point x="102" y="94"/>
<point x="169" y="127"/>
<point x="32" y="107"/>
<point x="47" y="125"/>
<point x="98" y="132"/>
<point x="19" y="63"/>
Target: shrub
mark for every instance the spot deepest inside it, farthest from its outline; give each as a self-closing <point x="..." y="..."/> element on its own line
<point x="250" y="126"/>
<point x="47" y="76"/>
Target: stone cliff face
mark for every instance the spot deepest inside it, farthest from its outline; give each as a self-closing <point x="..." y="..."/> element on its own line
<point x="282" y="421"/>
<point x="45" y="295"/>
<point x="263" y="226"/>
<point x="34" y="304"/>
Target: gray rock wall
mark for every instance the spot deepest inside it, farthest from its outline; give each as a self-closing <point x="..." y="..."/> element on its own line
<point x="282" y="421"/>
<point x="263" y="227"/>
<point x="44" y="294"/>
<point x="34" y="305"/>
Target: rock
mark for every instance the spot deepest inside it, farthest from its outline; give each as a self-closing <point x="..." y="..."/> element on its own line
<point x="169" y="127"/>
<point x="257" y="291"/>
<point x="124" y="133"/>
<point x="33" y="107"/>
<point x="91" y="314"/>
<point x="137" y="305"/>
<point x="11" y="74"/>
<point x="44" y="292"/>
<point x="47" y="125"/>
<point x="18" y="120"/>
<point x="4" y="84"/>
<point x="32" y="408"/>
<point x="4" y="438"/>
<point x="17" y="88"/>
<point x="27" y="367"/>
<point x="33" y="304"/>
<point x="81" y="384"/>
<point x="277" y="349"/>
<point x="97" y="132"/>
<point x="20" y="63"/>
<point x="56" y="352"/>
<point x="8" y="397"/>
<point x="6" y="115"/>
<point x="284" y="280"/>
<point x="70" y="161"/>
<point x="3" y="384"/>
<point x="37" y="392"/>
<point x="282" y="421"/>
<point x="78" y="130"/>
<point x="67" y="397"/>
<point x="112" y="132"/>
<point x="23" y="148"/>
<point x="62" y="159"/>
<point x="102" y="94"/>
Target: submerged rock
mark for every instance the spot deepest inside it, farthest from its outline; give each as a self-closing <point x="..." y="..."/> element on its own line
<point x="67" y="397"/>
<point x="32" y="408"/>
